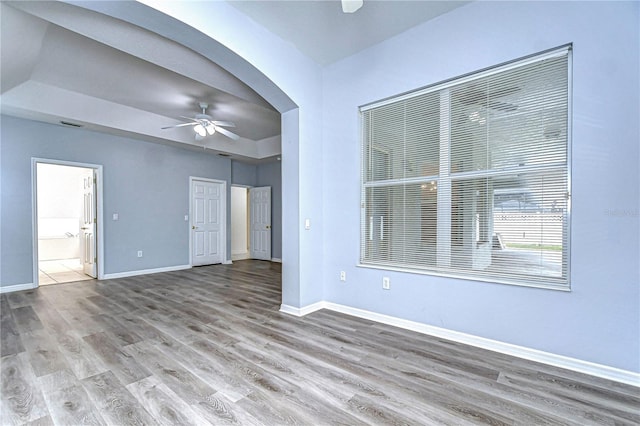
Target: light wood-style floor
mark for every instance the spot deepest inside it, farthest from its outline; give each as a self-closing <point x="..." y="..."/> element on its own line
<point x="208" y="346"/>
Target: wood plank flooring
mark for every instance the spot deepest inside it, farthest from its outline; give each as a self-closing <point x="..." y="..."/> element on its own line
<point x="208" y="346"/>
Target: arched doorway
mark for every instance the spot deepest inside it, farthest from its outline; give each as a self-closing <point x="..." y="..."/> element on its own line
<point x="296" y="291"/>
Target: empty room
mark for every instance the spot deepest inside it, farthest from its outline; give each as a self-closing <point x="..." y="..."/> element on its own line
<point x="320" y="212"/>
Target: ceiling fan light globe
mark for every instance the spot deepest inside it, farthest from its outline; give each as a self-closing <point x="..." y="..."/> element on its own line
<point x="200" y="130"/>
<point x="211" y="129"/>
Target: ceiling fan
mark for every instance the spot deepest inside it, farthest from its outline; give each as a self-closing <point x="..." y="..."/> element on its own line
<point x="204" y="125"/>
<point x="351" y="6"/>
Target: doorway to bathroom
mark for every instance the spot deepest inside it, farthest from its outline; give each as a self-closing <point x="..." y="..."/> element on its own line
<point x="65" y="223"/>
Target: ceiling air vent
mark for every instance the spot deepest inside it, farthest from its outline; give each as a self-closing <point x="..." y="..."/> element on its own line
<point x="66" y="123"/>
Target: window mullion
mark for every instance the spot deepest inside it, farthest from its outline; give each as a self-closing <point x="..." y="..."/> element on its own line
<point x="443" y="258"/>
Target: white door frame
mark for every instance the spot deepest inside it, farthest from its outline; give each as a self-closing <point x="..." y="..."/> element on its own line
<point x="34" y="211"/>
<point x="223" y="214"/>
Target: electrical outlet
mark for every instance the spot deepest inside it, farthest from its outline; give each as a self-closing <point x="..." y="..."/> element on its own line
<point x="386" y="283"/>
<point x="139" y="253"/>
<point x="343" y="276"/>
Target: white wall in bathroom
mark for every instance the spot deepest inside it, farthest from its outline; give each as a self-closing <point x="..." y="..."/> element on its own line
<point x="60" y="193"/>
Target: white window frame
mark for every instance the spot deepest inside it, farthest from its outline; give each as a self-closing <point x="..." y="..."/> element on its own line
<point x="444" y="193"/>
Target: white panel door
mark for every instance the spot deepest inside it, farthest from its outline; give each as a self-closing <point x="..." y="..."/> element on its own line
<point x="206" y="228"/>
<point x="260" y="222"/>
<point x="88" y="228"/>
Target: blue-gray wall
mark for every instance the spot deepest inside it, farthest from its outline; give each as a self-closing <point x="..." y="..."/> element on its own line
<point x="243" y="174"/>
<point x="599" y="320"/>
<point x="147" y="184"/>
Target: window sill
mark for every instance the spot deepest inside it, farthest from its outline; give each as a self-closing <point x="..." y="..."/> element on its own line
<point x="558" y="287"/>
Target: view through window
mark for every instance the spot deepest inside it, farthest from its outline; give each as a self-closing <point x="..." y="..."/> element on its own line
<point x="470" y="178"/>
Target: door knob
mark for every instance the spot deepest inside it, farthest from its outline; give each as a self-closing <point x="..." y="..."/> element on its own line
<point x="194" y="227"/>
<point x="268" y="226"/>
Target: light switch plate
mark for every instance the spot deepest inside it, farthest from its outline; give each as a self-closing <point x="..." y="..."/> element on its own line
<point x="116" y="216"/>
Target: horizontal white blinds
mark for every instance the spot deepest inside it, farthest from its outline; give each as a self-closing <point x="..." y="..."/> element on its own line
<point x="406" y="145"/>
<point x="471" y="178"/>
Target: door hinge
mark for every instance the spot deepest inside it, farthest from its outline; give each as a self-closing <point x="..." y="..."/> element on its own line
<point x="95" y="260"/>
<point x="94" y="220"/>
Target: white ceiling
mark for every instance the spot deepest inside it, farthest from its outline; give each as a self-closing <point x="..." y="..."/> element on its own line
<point x="320" y="29"/>
<point x="64" y="63"/>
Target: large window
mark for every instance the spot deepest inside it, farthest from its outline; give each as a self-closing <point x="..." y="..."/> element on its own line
<point x="469" y="178"/>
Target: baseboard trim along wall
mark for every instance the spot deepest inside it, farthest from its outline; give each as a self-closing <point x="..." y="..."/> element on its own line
<point x="145" y="271"/>
<point x="16" y="287"/>
<point x="573" y="364"/>
<point x="300" y="312"/>
<point x="275" y="259"/>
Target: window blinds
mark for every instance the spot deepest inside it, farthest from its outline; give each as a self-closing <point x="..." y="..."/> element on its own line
<point x="470" y="178"/>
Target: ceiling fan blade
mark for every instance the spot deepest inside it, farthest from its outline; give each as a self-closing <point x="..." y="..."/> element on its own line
<point x="223" y="123"/>
<point x="227" y="133"/>
<point x="203" y="124"/>
<point x="190" y="119"/>
<point x="179" y="125"/>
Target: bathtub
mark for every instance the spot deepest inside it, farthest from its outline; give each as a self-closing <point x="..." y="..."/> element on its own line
<point x="58" y="238"/>
<point x="59" y="247"/>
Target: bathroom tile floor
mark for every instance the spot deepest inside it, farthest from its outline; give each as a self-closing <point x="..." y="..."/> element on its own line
<point x="61" y="271"/>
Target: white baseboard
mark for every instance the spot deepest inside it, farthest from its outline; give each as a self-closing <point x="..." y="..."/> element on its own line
<point x="573" y="364"/>
<point x="16" y="287"/>
<point x="300" y="312"/>
<point x="275" y="259"/>
<point x="145" y="272"/>
<point x="227" y="262"/>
